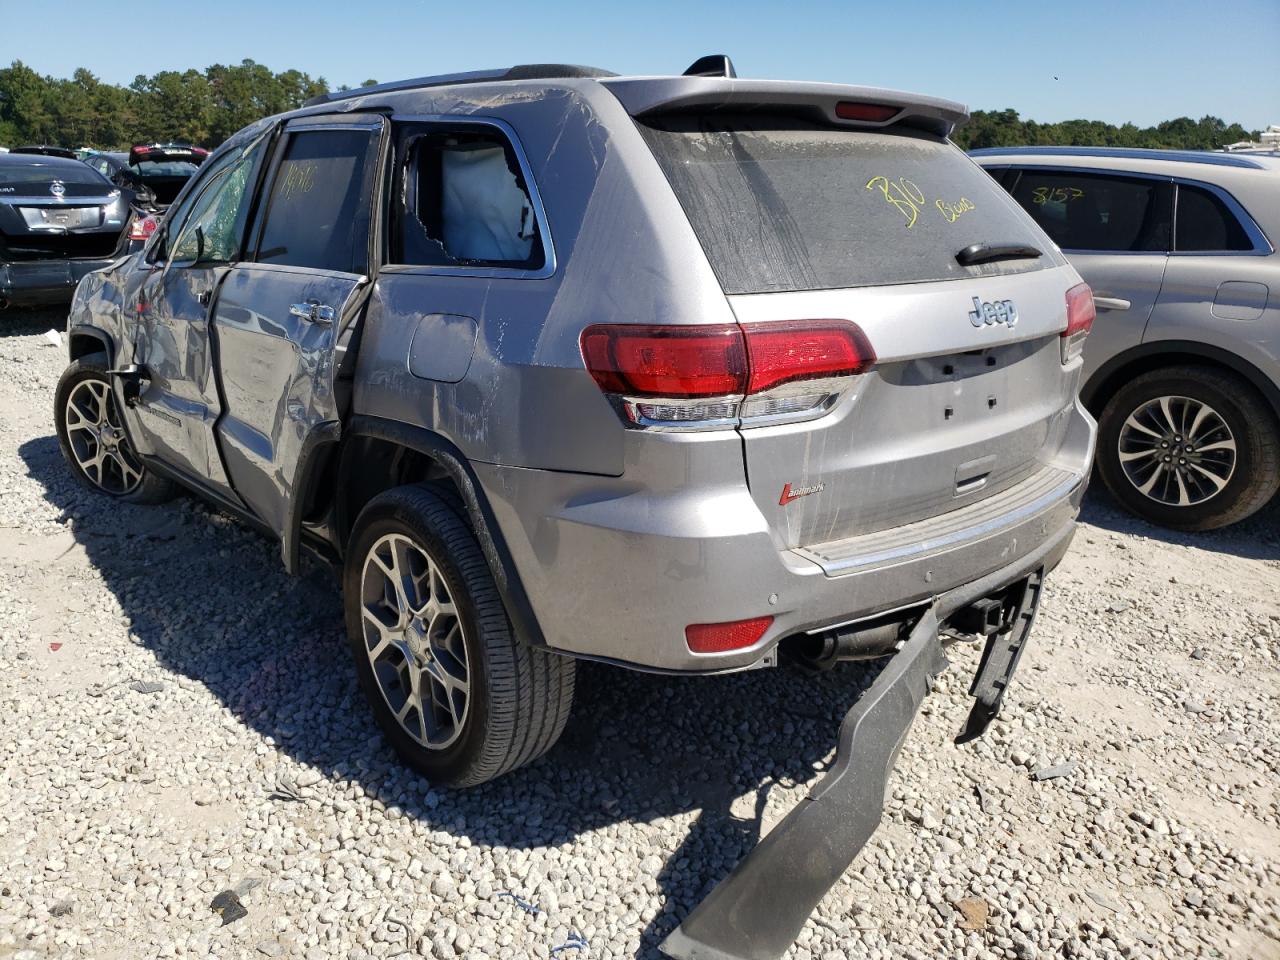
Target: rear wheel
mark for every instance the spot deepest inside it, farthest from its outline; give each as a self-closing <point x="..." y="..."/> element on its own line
<point x="1190" y="448"/>
<point x="460" y="698"/>
<point x="92" y="438"/>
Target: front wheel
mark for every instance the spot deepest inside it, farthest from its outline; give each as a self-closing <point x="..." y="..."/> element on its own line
<point x="460" y="698"/>
<point x="92" y="437"/>
<point x="1190" y="448"/>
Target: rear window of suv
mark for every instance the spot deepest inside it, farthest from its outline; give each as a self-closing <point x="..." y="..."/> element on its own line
<point x="780" y="204"/>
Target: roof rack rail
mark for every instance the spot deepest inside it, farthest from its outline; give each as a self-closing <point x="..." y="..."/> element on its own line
<point x="522" y="71"/>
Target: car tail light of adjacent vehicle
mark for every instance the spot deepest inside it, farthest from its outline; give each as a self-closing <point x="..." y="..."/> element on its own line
<point x="142" y="227"/>
<point x="713" y="376"/>
<point x="722" y="637"/>
<point x="1080" y="314"/>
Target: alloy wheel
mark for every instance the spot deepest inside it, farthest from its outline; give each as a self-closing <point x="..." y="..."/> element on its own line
<point x="415" y="641"/>
<point x="1177" y="451"/>
<point x="97" y="439"/>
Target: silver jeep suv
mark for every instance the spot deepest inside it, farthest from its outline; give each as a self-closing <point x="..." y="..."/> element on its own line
<point x="1183" y="367"/>
<point x="685" y="374"/>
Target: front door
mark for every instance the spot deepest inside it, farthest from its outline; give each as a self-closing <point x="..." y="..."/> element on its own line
<point x="283" y="317"/>
<point x="1116" y="230"/>
<point x="168" y="336"/>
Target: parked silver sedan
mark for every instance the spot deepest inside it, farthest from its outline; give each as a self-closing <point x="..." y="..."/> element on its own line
<point x="1182" y="369"/>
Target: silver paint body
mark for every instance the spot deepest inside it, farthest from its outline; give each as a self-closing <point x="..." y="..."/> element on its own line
<point x="622" y="537"/>
<point x="1228" y="302"/>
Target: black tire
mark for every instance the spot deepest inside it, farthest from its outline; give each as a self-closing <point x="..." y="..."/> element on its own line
<point x="1256" y="474"/>
<point x="151" y="488"/>
<point x="519" y="696"/>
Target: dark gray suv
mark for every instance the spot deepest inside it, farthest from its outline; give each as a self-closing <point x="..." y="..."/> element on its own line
<point x="687" y="374"/>
<point x="1183" y="366"/>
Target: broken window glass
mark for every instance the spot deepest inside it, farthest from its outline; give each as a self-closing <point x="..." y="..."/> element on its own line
<point x="464" y="202"/>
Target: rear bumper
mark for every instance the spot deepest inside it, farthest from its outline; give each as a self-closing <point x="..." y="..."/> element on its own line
<point x="32" y="282"/>
<point x="758" y="910"/>
<point x="616" y="573"/>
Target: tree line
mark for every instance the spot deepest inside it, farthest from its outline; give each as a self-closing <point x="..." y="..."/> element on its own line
<point x="205" y="107"/>
<point x="191" y="106"/>
<point x="1004" y="128"/>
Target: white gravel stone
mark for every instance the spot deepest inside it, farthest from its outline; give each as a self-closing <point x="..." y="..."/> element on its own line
<point x="252" y="756"/>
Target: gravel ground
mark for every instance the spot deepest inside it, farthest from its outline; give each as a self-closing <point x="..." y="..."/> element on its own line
<point x="181" y="718"/>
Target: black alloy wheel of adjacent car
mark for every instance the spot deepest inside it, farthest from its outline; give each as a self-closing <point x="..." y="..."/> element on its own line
<point x="1189" y="447"/>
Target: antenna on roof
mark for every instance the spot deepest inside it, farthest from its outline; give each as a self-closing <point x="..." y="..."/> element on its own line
<point x="713" y="65"/>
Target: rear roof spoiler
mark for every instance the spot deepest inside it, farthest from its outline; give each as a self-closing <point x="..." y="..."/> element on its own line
<point x="652" y="96"/>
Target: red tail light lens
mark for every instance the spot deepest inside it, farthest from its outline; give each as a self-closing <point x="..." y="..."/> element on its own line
<point x="721" y="360"/>
<point x="1080" y="315"/>
<point x="867" y="112"/>
<point x="708" y="377"/>
<point x="722" y="637"/>
<point x="779" y="353"/>
<point x="673" y="362"/>
<point x="142" y="227"/>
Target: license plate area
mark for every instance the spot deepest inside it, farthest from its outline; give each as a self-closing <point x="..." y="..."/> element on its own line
<point x="61" y="218"/>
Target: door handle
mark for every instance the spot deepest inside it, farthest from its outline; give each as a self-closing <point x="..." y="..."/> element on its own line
<point x="1111" y="303"/>
<point x="313" y="311"/>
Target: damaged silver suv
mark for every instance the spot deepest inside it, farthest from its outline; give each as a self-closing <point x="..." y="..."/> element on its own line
<point x="688" y="374"/>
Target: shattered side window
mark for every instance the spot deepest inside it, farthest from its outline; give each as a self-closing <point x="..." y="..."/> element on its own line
<point x="212" y="234"/>
<point x="463" y="201"/>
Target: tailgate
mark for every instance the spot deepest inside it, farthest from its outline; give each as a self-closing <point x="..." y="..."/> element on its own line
<point x="960" y="295"/>
<point x="950" y="414"/>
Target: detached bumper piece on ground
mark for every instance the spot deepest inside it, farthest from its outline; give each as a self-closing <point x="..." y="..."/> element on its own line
<point x="759" y="909"/>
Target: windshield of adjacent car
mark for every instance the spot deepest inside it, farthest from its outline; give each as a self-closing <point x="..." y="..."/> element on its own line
<point x="38" y="174"/>
<point x="782" y="204"/>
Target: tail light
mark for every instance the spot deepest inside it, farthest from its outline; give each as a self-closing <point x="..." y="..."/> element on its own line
<point x="142" y="228"/>
<point x="713" y="376"/>
<point x="1080" y="314"/>
<point x="723" y="637"/>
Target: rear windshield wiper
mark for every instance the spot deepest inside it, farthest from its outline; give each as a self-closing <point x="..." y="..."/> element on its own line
<point x="987" y="252"/>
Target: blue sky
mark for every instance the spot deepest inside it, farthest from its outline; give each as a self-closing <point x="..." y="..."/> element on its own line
<point x="1114" y="60"/>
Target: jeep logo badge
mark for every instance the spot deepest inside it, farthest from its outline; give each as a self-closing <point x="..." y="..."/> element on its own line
<point x="988" y="314"/>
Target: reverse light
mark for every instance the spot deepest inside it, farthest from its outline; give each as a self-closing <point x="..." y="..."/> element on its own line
<point x="1080" y="314"/>
<point x="715" y="375"/>
<point x="866" y="112"/>
<point x="723" y="637"/>
<point x="142" y="228"/>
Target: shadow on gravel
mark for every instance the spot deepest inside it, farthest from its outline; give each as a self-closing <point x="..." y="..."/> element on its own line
<point x="27" y="321"/>
<point x="209" y="599"/>
<point x="1256" y="538"/>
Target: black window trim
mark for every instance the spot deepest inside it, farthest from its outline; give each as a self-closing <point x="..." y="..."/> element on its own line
<point x="1260" y="246"/>
<point x="372" y="123"/>
<point x="549" y="263"/>
<point x="1115" y="174"/>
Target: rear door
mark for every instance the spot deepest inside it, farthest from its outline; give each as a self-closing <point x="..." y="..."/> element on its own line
<point x="968" y="396"/>
<point x="1116" y="231"/>
<point x="283" y="319"/>
<point x="1213" y="288"/>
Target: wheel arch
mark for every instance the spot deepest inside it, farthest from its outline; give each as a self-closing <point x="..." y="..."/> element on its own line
<point x="83" y="340"/>
<point x="378" y="454"/>
<point x="1146" y="357"/>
